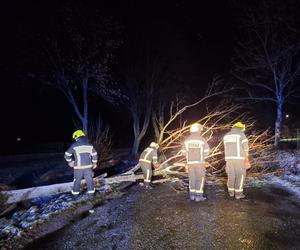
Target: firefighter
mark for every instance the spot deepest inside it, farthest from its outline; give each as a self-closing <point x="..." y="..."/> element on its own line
<point x="147" y="159"/>
<point x="82" y="157"/>
<point x="236" y="157"/>
<point x="196" y="149"/>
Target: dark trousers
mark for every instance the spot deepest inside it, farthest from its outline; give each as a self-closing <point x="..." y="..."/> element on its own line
<point x="196" y="178"/>
<point x="87" y="174"/>
<point x="236" y="175"/>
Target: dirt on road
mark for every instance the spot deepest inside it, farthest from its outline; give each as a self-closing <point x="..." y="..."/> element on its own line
<point x="164" y="218"/>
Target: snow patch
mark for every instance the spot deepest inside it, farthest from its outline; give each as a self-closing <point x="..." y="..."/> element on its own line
<point x="289" y="182"/>
<point x="289" y="160"/>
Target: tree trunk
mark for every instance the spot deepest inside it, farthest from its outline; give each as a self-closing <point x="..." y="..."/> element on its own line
<point x="278" y="124"/>
<point x="138" y="131"/>
<point x="135" y="147"/>
<point x="85" y="106"/>
<point x="155" y="126"/>
<point x="34" y="192"/>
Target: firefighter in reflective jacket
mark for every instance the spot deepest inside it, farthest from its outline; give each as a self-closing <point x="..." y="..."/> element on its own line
<point x="196" y="149"/>
<point x="82" y="157"/>
<point x="236" y="155"/>
<point x="147" y="158"/>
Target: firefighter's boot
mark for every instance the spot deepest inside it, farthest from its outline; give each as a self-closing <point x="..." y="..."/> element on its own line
<point x="231" y="193"/>
<point x="199" y="198"/>
<point x="148" y="185"/>
<point x="239" y="195"/>
<point x="192" y="196"/>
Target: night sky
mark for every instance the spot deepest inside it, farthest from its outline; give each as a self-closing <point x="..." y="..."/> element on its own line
<point x="197" y="36"/>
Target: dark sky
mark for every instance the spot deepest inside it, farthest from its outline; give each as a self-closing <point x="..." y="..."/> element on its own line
<point x="199" y="34"/>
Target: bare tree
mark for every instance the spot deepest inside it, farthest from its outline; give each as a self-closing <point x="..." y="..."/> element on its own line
<point x="215" y="88"/>
<point x="166" y="100"/>
<point x="140" y="82"/>
<point x="76" y="59"/>
<point x="101" y="138"/>
<point x="266" y="59"/>
<point x="143" y="73"/>
<point x="140" y="106"/>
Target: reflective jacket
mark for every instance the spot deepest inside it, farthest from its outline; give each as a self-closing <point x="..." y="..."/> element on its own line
<point x="195" y="148"/>
<point x="82" y="153"/>
<point x="149" y="155"/>
<point x="235" y="144"/>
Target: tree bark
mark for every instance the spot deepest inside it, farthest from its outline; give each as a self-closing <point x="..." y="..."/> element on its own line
<point x="278" y="124"/>
<point x="155" y="126"/>
<point x="138" y="132"/>
<point x="85" y="106"/>
<point x="135" y="146"/>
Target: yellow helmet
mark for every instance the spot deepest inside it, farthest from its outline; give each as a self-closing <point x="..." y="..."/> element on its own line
<point x="154" y="145"/>
<point x="240" y="125"/>
<point x="196" y="127"/>
<point x="78" y="133"/>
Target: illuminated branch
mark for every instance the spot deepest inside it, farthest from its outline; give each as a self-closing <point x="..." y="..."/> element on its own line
<point x="216" y="123"/>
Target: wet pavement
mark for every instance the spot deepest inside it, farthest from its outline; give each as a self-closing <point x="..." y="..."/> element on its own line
<point x="164" y="218"/>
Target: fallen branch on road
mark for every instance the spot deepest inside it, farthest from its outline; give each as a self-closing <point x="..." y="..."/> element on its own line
<point x="34" y="192"/>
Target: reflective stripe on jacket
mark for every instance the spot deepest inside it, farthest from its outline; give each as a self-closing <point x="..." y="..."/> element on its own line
<point x="195" y="148"/>
<point x="149" y="155"/>
<point x="235" y="144"/>
<point x="82" y="153"/>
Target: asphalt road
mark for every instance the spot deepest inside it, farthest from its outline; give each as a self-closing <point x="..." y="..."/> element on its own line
<point x="164" y="218"/>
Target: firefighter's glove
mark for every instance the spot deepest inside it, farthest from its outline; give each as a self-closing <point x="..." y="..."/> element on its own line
<point x="247" y="163"/>
<point x="156" y="165"/>
<point x="94" y="166"/>
<point x="71" y="164"/>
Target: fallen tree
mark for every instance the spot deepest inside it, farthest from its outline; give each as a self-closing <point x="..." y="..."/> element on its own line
<point x="216" y="122"/>
<point x="34" y="192"/>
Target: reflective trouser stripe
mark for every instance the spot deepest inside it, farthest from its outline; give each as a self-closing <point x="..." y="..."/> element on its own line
<point x="242" y="181"/>
<point x="91" y="191"/>
<point x="194" y="162"/>
<point x="146" y="161"/>
<point x="201" y="186"/>
<point x="74" y="193"/>
<point x="147" y="177"/>
<point x="83" y="167"/>
<point x="234" y="158"/>
<point x="241" y="185"/>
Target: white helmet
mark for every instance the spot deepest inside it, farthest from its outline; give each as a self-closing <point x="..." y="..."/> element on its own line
<point x="154" y="145"/>
<point x="196" y="127"/>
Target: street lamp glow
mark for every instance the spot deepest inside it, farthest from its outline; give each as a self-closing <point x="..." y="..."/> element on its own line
<point x="287" y="116"/>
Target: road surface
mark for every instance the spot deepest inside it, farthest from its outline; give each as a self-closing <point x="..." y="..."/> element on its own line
<point x="164" y="218"/>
